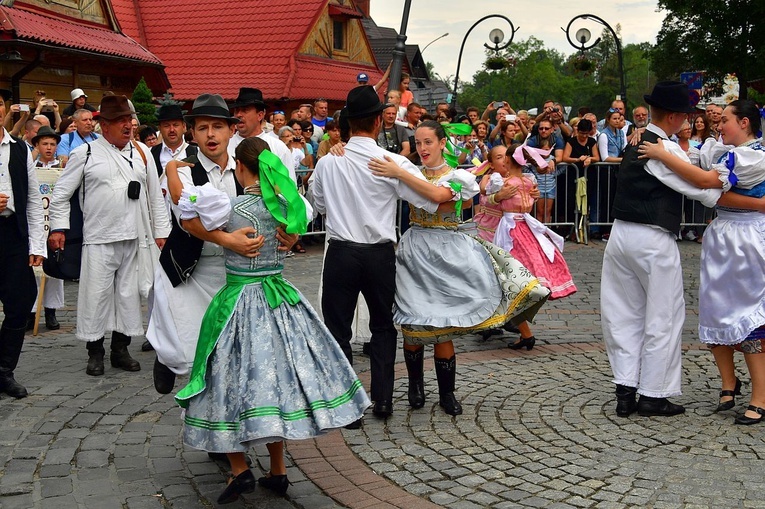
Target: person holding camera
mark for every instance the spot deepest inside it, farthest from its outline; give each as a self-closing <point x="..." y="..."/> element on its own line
<point x="553" y="112"/>
<point x="393" y="137"/>
<point x="124" y="214"/>
<point x="47" y="107"/>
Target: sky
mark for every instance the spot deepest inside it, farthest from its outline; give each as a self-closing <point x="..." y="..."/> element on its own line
<point x="428" y="19"/>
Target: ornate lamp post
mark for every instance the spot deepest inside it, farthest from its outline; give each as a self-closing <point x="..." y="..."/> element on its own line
<point x="583" y="36"/>
<point x="496" y="36"/>
<point x="399" y="51"/>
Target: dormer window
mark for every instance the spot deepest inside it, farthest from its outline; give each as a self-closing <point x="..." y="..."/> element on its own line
<point x="339" y="27"/>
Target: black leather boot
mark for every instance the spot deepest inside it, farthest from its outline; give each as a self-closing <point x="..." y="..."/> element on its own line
<point x="51" y="323"/>
<point x="95" y="357"/>
<point x="11" y="341"/>
<point x="414" y="361"/>
<point x="625" y="400"/>
<point x="446" y="371"/>
<point x="164" y="378"/>
<point x="120" y="357"/>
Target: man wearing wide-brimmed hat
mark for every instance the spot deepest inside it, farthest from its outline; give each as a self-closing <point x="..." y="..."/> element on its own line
<point x="642" y="304"/>
<point x="124" y="215"/>
<point x="249" y="108"/>
<point x="361" y="214"/>
<point x="173" y="146"/>
<point x="192" y="266"/>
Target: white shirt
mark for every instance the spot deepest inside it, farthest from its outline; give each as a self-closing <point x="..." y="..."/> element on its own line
<point x="276" y="146"/>
<point x="670" y="179"/>
<point x="109" y="215"/>
<point x="359" y="206"/>
<point x="36" y="226"/>
<point x="166" y="154"/>
<point x="222" y="180"/>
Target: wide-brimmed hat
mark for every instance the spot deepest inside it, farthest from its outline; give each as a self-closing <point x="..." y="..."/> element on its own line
<point x="77" y="93"/>
<point x="114" y="106"/>
<point x="6" y="94"/>
<point x="212" y="106"/>
<point x="46" y="132"/>
<point x="249" y="96"/>
<point x="169" y="112"/>
<point x="671" y="96"/>
<point x="363" y="102"/>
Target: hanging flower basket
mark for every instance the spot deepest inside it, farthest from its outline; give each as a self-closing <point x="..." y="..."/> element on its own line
<point x="495" y="63"/>
<point x="583" y="64"/>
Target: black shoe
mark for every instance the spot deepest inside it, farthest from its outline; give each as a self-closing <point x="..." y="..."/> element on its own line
<point x="146" y="347"/>
<point x="658" y="407"/>
<point x="414" y="368"/>
<point x="727" y="405"/>
<point x="51" y="323"/>
<point x="486" y="334"/>
<point x="164" y="378"/>
<point x="746" y="421"/>
<point x="355" y="424"/>
<point x="11" y="387"/>
<point x="95" y="357"/>
<point x="243" y="483"/>
<point x="625" y="400"/>
<point x="528" y="343"/>
<point x="383" y="409"/>
<point x="276" y="483"/>
<point x="450" y="404"/>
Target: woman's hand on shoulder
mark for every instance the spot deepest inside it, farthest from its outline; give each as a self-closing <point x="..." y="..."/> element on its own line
<point x="385" y="167"/>
<point x="648" y="150"/>
<point x="338" y="149"/>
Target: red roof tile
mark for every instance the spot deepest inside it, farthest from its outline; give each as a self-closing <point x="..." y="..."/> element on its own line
<point x="336" y="78"/>
<point x="128" y="17"/>
<point x="51" y="30"/>
<point x="231" y="44"/>
<point x="341" y="10"/>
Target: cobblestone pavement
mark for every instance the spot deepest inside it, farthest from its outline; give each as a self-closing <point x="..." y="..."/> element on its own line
<point x="538" y="429"/>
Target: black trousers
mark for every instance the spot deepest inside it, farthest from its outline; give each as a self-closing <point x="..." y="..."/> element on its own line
<point x="369" y="269"/>
<point x="18" y="289"/>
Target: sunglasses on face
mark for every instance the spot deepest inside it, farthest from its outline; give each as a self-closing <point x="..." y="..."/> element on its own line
<point x="545" y="128"/>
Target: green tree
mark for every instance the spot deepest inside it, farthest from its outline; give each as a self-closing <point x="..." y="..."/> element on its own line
<point x="143" y="102"/>
<point x="721" y="37"/>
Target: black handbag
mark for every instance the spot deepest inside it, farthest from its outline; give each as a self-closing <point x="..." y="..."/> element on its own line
<point x="65" y="263"/>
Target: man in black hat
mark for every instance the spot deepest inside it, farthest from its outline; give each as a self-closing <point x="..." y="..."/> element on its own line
<point x="22" y="246"/>
<point x="361" y="215"/>
<point x="124" y="214"/>
<point x="642" y="304"/>
<point x="193" y="266"/>
<point x="173" y="146"/>
<point x="250" y="109"/>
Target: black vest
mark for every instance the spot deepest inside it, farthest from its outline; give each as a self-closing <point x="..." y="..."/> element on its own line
<point x="641" y="197"/>
<point x="17" y="168"/>
<point x="182" y="250"/>
<point x="156" y="150"/>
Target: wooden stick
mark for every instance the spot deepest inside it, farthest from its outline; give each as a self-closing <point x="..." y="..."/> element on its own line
<point x="39" y="303"/>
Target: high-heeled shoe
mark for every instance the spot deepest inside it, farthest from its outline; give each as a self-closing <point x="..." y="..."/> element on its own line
<point x="276" y="483"/>
<point x="243" y="483"/>
<point x="523" y="342"/>
<point x="746" y="421"/>
<point x="727" y="405"/>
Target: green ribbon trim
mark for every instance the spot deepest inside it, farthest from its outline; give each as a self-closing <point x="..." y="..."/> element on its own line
<point x="277" y="291"/>
<point x="452" y="151"/>
<point x="457" y="188"/>
<point x="273" y="411"/>
<point x="274" y="175"/>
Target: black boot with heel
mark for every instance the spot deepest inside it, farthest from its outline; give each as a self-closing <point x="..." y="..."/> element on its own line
<point x="95" y="357"/>
<point x="120" y="357"/>
<point x="414" y="367"/>
<point x="11" y="341"/>
<point x="446" y="372"/>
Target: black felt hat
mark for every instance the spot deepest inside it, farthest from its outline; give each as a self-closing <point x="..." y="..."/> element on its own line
<point x="249" y="96"/>
<point x="670" y="96"/>
<point x="169" y="112"/>
<point x="363" y="102"/>
<point x="45" y="132"/>
<point x="212" y="106"/>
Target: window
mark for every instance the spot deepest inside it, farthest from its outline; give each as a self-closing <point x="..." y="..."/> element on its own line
<point x="338" y="35"/>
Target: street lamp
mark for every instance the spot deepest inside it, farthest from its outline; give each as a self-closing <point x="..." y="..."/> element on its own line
<point x="495" y="36"/>
<point x="583" y="36"/>
<point x="431" y="42"/>
<point x="399" y="50"/>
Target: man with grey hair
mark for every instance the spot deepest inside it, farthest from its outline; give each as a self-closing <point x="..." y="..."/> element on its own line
<point x="83" y="121"/>
<point x="124" y="214"/>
